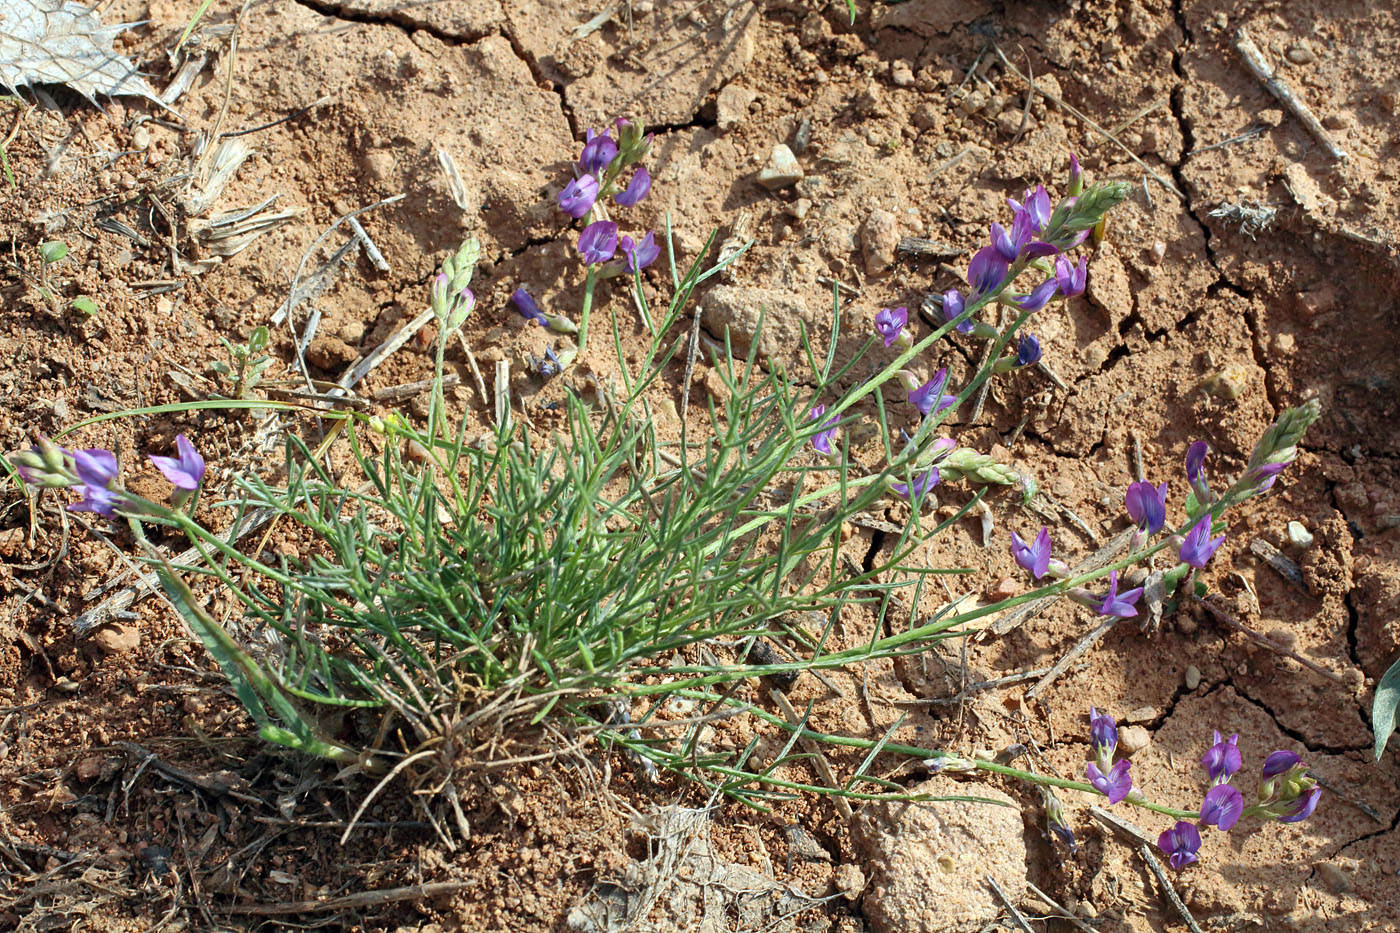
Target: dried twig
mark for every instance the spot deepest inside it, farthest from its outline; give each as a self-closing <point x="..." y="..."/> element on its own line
<point x="1079" y="115"/>
<point x="1060" y="909"/>
<point x="1168" y="891"/>
<point x="1001" y="896"/>
<point x="1285" y="565"/>
<point x="1221" y="615"/>
<point x="1072" y="655"/>
<point x="357" y="901"/>
<point x="1280" y="89"/>
<point x="843" y="806"/>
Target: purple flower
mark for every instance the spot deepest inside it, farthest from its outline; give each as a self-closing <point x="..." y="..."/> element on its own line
<point x="186" y="470"/>
<point x="921" y="485"/>
<point x="1197" y="547"/>
<point x="1038" y="297"/>
<point x="95" y="467"/>
<point x="1147" y="506"/>
<point x="527" y="307"/>
<point x="1222" y="807"/>
<point x="1262" y="477"/>
<point x="1195" y="459"/>
<point x="97" y="471"/>
<point x="550" y="365"/>
<point x="1123" y="605"/>
<point x="1072" y="279"/>
<point x="1180" y="844"/>
<point x="641" y="254"/>
<point x="598" y="242"/>
<point x="1280" y="762"/>
<point x="1055" y="819"/>
<point x="1035" y="556"/>
<point x="598" y="152"/>
<point x="1115" y="784"/>
<point x="890" y="324"/>
<point x="1028" y="351"/>
<point x="929" y="398"/>
<point x="822" y="439"/>
<point x="1103" y="733"/>
<point x="1009" y="244"/>
<point x="637" y="189"/>
<point x="1222" y="759"/>
<point x="953" y="305"/>
<point x="578" y="196"/>
<point x="1038" y="207"/>
<point x="986" y="270"/>
<point x="1303" y="807"/>
<point x="97" y="499"/>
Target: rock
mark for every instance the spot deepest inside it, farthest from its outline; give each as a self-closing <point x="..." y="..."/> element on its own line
<point x="1009" y="122"/>
<point x="782" y="170"/>
<point x="879" y="236"/>
<point x="928" y="861"/>
<point x="732" y="106"/>
<point x="117" y="639"/>
<point x="1300" y="53"/>
<point x="1336" y="877"/>
<point x="1299" y="536"/>
<point x="1006" y="589"/>
<point x="330" y="354"/>
<point x="1193" y="677"/>
<point x="1133" y="739"/>
<point x="88" y="768"/>
<point x="1229" y="383"/>
<point x="737" y="308"/>
<point x="901" y="74"/>
<point x="850" y="881"/>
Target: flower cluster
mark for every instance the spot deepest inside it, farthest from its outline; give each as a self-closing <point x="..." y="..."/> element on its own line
<point x="1111" y="780"/>
<point x="1286" y="794"/>
<point x="1037" y="240"/>
<point x="604" y="249"/>
<point x="600" y="166"/>
<point x="94" y="474"/>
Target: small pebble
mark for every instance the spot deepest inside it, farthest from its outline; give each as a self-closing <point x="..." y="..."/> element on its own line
<point x="901" y="74"/>
<point x="850" y="881"/>
<point x="1133" y="739"/>
<point x="117" y="639"/>
<point x="1157" y="253"/>
<point x="1006" y="589"/>
<point x="782" y="169"/>
<point x="1299" y="536"/>
<point x="1193" y="677"/>
<point x="1300" y="54"/>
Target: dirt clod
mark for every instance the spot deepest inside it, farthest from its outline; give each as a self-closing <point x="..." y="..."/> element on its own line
<point x="928" y="861"/>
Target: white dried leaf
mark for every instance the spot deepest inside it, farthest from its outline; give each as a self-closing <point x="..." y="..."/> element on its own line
<point x="63" y="42"/>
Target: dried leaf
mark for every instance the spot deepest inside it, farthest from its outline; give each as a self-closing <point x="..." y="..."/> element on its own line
<point x="63" y="42"/>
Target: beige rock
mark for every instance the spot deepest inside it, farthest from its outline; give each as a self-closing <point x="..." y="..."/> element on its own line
<point x="1133" y="739"/>
<point x="117" y="639"/>
<point x="928" y="861"/>
<point x="879" y="236"/>
<point x="782" y="170"/>
<point x="737" y="308"/>
<point x="850" y="881"/>
<point x="732" y="106"/>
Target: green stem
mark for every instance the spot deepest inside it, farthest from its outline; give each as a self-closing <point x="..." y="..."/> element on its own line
<point x="914" y="751"/>
<point x="588" y="285"/>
